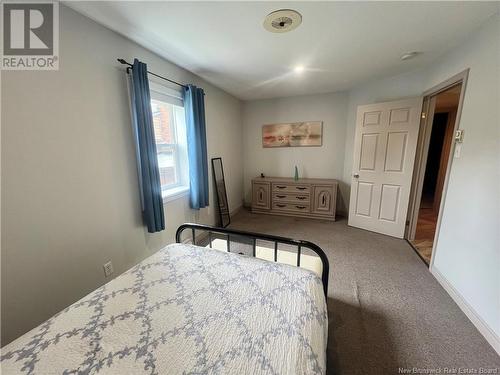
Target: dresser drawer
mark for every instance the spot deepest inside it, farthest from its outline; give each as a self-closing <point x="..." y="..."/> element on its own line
<point x="313" y="198"/>
<point x="298" y="198"/>
<point x="291" y="207"/>
<point x="291" y="188"/>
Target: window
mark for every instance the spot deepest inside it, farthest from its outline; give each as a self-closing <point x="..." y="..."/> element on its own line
<point x="171" y="144"/>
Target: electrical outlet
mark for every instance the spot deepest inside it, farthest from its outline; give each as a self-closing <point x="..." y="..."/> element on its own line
<point x="108" y="269"/>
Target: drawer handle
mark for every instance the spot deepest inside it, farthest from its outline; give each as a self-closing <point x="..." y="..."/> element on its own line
<point x="301" y="198"/>
<point x="281" y="205"/>
<point x="281" y="196"/>
<point x="280" y="187"/>
<point x="300" y="207"/>
<point x="301" y="187"/>
<point x="324" y="200"/>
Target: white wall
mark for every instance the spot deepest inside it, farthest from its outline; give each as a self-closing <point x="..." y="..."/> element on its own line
<point x="468" y="248"/>
<point x="70" y="199"/>
<point x="467" y="260"/>
<point x="326" y="161"/>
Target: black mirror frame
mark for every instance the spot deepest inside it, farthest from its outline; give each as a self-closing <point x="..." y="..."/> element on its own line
<point x="217" y="193"/>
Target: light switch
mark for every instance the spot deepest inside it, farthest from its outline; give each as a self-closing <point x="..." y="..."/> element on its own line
<point x="459" y="136"/>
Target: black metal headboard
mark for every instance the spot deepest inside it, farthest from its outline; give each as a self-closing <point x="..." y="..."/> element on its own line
<point x="300" y="244"/>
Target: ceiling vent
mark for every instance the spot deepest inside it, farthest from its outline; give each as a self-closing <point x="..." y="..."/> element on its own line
<point x="282" y="21"/>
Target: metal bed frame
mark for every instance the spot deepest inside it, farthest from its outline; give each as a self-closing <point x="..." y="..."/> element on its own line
<point x="253" y="237"/>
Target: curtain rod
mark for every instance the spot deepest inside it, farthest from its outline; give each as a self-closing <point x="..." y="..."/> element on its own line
<point x="122" y="61"/>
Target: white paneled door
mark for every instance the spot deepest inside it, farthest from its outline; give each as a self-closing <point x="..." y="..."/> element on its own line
<point x="384" y="154"/>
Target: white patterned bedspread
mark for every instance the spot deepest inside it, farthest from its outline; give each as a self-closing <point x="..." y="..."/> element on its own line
<point x="185" y="310"/>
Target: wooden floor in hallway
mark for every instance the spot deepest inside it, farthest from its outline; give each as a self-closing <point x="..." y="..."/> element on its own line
<point x="424" y="235"/>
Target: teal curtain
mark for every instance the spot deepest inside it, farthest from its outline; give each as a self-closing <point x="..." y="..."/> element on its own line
<point x="147" y="161"/>
<point x="194" y="106"/>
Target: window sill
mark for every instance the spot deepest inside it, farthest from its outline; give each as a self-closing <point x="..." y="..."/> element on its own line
<point x="174" y="193"/>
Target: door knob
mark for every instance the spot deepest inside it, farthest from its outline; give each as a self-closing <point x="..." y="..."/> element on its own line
<point x="355" y="175"/>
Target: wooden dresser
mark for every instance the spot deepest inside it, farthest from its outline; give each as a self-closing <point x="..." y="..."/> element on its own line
<point x="306" y="197"/>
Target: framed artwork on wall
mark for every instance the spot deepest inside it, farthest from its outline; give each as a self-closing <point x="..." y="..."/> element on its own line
<point x="293" y="134"/>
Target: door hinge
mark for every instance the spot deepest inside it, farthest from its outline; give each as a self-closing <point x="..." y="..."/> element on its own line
<point x="407" y="222"/>
<point x="423" y="115"/>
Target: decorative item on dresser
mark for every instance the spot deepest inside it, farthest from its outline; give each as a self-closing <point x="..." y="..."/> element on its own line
<point x="305" y="197"/>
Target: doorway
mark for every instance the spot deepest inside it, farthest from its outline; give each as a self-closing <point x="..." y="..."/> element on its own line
<point x="440" y="117"/>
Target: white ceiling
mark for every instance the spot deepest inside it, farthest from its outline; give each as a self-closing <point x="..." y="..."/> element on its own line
<point x="341" y="44"/>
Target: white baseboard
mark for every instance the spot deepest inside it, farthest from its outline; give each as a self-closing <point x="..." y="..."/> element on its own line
<point x="490" y="336"/>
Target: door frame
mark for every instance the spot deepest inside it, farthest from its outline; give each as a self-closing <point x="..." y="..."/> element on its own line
<point x="422" y="153"/>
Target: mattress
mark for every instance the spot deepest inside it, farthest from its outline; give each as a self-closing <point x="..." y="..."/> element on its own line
<point x="185" y="310"/>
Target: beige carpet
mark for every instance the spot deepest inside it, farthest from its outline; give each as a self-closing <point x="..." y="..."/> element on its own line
<point x="386" y="311"/>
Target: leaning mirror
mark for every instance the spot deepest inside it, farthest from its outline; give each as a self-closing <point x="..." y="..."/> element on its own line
<point x="220" y="189"/>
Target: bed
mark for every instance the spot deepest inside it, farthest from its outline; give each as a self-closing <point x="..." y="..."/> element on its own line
<point x="191" y="309"/>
